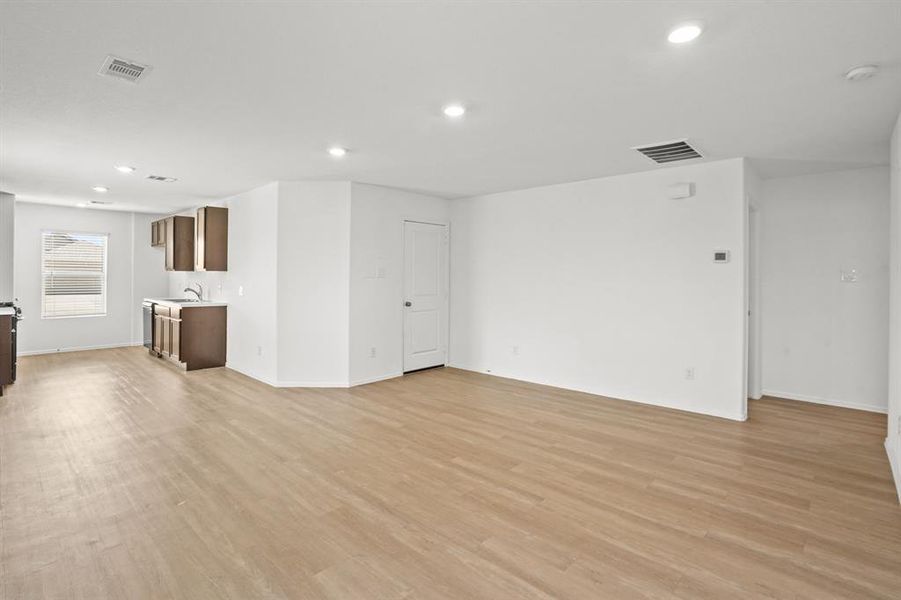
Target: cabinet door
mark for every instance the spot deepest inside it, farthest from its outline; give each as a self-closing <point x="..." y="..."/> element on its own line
<point x="157" y="334"/>
<point x="166" y="337"/>
<point x="169" y="228"/>
<point x="200" y="240"/>
<point x="175" y="338"/>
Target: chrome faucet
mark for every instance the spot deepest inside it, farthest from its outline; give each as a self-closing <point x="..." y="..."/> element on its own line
<point x="198" y="292"/>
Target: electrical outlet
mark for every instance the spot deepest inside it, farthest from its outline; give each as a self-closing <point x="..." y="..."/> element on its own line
<point x="515" y="350"/>
<point x="240" y="290"/>
<point x="259" y="351"/>
<point x="690" y="373"/>
<point x="372" y="352"/>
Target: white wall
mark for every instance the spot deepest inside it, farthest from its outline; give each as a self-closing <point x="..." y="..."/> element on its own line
<point x="149" y="271"/>
<point x="893" y="442"/>
<point x="134" y="269"/>
<point x="824" y="340"/>
<point x="313" y="283"/>
<point x="608" y="286"/>
<point x="250" y="285"/>
<point x="7" y="248"/>
<point x="376" y="275"/>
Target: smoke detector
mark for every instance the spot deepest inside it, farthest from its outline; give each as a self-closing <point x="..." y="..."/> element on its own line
<point x="121" y="68"/>
<point x="667" y="152"/>
<point x="862" y="72"/>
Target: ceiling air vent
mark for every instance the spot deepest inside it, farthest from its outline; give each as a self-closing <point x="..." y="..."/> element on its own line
<point x="102" y="202"/>
<point x="161" y="178"/>
<point x="668" y="152"/>
<point x="120" y="68"/>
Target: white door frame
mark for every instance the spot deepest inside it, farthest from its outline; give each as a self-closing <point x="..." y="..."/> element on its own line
<point x="426" y="221"/>
<point x="754" y="350"/>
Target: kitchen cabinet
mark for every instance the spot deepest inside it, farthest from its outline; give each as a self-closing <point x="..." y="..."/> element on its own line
<point x="7" y="350"/>
<point x="158" y="233"/>
<point x="193" y="337"/>
<point x="211" y="239"/>
<point x="179" y="243"/>
<point x="176" y="235"/>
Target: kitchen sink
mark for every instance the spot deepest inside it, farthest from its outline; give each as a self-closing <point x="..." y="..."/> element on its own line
<point x="180" y="300"/>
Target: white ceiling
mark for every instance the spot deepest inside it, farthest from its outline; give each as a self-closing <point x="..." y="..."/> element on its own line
<point x="246" y="93"/>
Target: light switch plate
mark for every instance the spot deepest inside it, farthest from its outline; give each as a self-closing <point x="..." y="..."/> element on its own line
<point x="849" y="276"/>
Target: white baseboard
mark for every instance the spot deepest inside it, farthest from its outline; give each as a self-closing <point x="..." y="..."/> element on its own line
<point x="246" y="373"/>
<point x="310" y="384"/>
<point x="375" y="379"/>
<point x="556" y="384"/>
<point x="79" y="348"/>
<point x="826" y="401"/>
<point x="895" y="463"/>
<point x="313" y="384"/>
<point x="288" y="384"/>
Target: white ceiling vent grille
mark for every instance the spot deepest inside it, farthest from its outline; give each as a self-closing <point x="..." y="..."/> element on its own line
<point x="161" y="178"/>
<point x="121" y="68"/>
<point x="103" y="202"/>
<point x="667" y="152"/>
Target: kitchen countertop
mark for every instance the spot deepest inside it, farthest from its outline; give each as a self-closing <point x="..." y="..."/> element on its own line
<point x="7" y="310"/>
<point x="175" y="303"/>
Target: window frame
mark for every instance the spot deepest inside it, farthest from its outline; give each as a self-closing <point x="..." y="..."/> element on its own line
<point x="105" y="271"/>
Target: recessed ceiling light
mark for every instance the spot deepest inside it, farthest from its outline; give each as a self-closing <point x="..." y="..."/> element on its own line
<point x="125" y="169"/>
<point x="100" y="188"/>
<point x="862" y="72"/>
<point x="337" y="151"/>
<point x="454" y="110"/>
<point x="684" y="33"/>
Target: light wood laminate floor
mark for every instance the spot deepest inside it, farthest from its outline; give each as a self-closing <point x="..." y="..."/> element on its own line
<point x="121" y="477"/>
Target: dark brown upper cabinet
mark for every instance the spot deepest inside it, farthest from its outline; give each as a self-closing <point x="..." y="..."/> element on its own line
<point x="211" y="239"/>
<point x="179" y="242"/>
<point x="158" y="233"/>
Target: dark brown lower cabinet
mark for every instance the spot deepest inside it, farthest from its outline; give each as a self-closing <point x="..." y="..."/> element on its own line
<point x="193" y="337"/>
<point x="7" y="352"/>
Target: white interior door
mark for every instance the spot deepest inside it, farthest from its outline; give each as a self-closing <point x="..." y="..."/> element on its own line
<point x="425" y="295"/>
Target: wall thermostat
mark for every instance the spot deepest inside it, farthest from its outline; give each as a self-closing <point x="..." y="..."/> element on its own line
<point x="721" y="256"/>
<point x="679" y="191"/>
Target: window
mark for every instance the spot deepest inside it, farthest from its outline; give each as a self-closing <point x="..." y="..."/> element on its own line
<point x="73" y="274"/>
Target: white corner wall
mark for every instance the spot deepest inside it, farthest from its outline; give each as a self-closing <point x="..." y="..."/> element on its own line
<point x="134" y="270"/>
<point x="754" y="357"/>
<point x="286" y="284"/>
<point x="893" y="441"/>
<point x="608" y="286"/>
<point x="250" y="284"/>
<point x="7" y="245"/>
<point x="313" y="283"/>
<point x="823" y="340"/>
<point x="376" y="275"/>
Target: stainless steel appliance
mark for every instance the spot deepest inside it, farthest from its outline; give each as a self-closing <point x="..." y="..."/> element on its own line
<point x="148" y="323"/>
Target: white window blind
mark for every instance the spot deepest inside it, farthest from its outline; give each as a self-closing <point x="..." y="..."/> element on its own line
<point x="73" y="274"/>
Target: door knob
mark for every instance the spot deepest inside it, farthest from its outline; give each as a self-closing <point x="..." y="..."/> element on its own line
<point x="408" y="303"/>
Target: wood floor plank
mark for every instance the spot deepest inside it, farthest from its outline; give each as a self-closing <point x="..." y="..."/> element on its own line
<point x="121" y="477"/>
